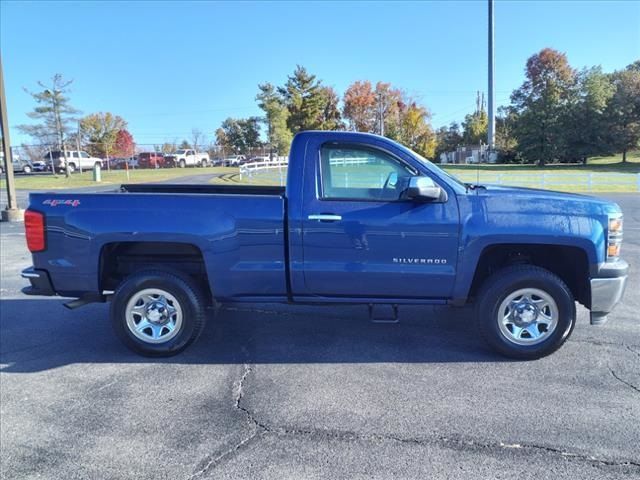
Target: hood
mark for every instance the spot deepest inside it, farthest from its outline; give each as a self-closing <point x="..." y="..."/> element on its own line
<point x="528" y="199"/>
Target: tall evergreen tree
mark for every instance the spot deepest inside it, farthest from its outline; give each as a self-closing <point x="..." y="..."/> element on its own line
<point x="276" y="114"/>
<point x="304" y="99"/>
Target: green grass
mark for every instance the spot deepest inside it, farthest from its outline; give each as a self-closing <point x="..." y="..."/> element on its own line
<point x="115" y="177"/>
<point x="609" y="174"/>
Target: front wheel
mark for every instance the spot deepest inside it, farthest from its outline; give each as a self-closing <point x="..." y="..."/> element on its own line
<point x="182" y="164"/>
<point x="27" y="169"/>
<point x="525" y="312"/>
<point x="158" y="313"/>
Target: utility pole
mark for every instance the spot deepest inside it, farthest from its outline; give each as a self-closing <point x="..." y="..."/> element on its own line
<point x="381" y="113"/>
<point x="12" y="212"/>
<point x="491" y="131"/>
<point x="78" y="148"/>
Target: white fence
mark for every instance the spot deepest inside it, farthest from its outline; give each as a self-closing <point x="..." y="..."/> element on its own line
<point x="570" y="181"/>
<point x="276" y="166"/>
<point x="585" y="182"/>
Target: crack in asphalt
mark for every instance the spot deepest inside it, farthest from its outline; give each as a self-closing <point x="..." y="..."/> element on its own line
<point x="622" y="380"/>
<point x="257" y="428"/>
<point x="260" y="429"/>
<point x="632" y="350"/>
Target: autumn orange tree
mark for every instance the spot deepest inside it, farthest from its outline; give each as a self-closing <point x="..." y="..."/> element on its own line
<point x="124" y="145"/>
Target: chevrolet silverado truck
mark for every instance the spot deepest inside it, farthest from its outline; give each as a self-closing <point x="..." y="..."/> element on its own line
<point x="362" y="220"/>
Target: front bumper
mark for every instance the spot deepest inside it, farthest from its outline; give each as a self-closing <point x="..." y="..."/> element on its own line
<point x="40" y="282"/>
<point x="607" y="289"/>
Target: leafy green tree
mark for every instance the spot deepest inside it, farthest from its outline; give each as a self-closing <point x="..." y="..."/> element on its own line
<point x="276" y="114"/>
<point x="448" y="139"/>
<point x="475" y="127"/>
<point x="585" y="126"/>
<point x="239" y="135"/>
<point x="304" y="99"/>
<point x="99" y="132"/>
<point x="506" y="142"/>
<point x="541" y="103"/>
<point x="330" y="117"/>
<point x="623" y="110"/>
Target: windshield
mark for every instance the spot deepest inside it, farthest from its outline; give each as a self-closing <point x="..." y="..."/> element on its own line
<point x="431" y="166"/>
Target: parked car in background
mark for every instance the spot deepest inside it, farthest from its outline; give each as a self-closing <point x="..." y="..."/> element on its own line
<point x="218" y="162"/>
<point x="120" y="163"/>
<point x="187" y="157"/>
<point x="234" y="160"/>
<point x="19" y="166"/>
<point x="75" y="159"/>
<point x="152" y="160"/>
<point x="259" y="159"/>
<point x="40" y="166"/>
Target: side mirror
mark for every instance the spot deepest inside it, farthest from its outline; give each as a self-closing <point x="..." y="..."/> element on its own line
<point x="425" y="189"/>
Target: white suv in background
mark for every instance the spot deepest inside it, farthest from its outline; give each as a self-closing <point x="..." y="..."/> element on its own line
<point x="75" y="159"/>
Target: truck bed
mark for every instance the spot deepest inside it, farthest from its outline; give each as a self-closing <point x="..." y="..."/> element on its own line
<point x="204" y="189"/>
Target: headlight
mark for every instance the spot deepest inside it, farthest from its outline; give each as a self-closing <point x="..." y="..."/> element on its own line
<point x="614" y="238"/>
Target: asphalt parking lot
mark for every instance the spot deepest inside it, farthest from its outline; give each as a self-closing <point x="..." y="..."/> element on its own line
<point x="282" y="392"/>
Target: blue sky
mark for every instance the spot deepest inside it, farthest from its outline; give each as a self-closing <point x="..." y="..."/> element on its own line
<point x="168" y="67"/>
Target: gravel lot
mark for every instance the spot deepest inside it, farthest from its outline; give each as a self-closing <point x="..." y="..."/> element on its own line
<point x="284" y="392"/>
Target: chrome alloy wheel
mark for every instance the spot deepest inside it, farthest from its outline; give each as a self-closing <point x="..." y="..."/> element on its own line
<point x="527" y="316"/>
<point x="154" y="315"/>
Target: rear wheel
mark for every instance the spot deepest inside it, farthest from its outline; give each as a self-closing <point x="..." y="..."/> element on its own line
<point x="203" y="163"/>
<point x="71" y="167"/>
<point x="158" y="313"/>
<point x="525" y="312"/>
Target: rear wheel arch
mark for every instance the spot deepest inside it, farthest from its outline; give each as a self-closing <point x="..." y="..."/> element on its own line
<point x="118" y="260"/>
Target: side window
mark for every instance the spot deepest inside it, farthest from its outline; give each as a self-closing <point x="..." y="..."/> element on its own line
<point x="361" y="173"/>
<point x="74" y="154"/>
<point x="84" y="154"/>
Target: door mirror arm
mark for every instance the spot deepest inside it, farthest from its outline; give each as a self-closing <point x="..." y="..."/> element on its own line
<point x="424" y="189"/>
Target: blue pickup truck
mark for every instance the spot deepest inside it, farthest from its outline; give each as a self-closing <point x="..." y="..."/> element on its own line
<point x="363" y="220"/>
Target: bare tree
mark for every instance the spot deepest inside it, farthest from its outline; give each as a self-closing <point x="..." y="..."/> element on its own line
<point x="196" y="137"/>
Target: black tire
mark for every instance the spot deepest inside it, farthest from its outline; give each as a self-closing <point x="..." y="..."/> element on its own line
<point x="509" y="280"/>
<point x="182" y="164"/>
<point x="26" y="170"/>
<point x="191" y="301"/>
<point x="71" y="167"/>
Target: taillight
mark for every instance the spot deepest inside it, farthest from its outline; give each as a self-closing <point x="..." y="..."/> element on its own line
<point x="34" y="229"/>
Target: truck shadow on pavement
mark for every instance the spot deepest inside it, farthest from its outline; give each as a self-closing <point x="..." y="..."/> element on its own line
<point x="40" y="334"/>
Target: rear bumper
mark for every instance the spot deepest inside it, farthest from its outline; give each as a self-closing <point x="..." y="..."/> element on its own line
<point x="40" y="282"/>
<point x="607" y="290"/>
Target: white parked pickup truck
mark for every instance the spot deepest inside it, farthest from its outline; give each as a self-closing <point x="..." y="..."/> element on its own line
<point x="189" y="158"/>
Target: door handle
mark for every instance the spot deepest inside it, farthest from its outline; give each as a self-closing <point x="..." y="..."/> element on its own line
<point x="325" y="217"/>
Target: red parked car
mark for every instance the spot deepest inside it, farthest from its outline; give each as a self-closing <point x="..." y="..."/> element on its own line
<point x="151" y="160"/>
